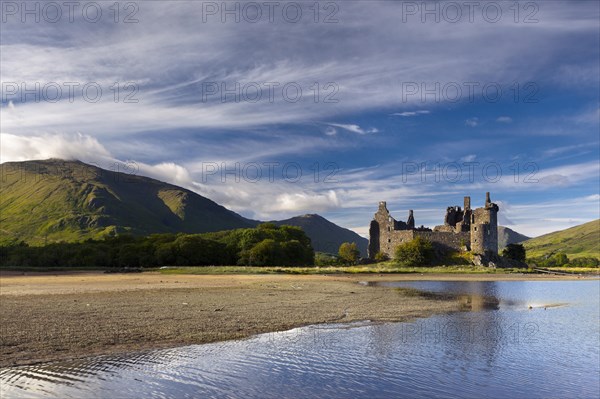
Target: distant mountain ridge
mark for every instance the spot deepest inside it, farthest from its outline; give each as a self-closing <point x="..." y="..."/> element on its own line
<point x="326" y="236"/>
<point x="508" y="236"/>
<point x="57" y="200"/>
<point x="577" y="241"/>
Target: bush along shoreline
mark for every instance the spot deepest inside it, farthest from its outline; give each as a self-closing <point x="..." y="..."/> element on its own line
<point x="265" y="245"/>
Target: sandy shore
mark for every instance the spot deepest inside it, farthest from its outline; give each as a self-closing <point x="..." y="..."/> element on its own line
<point x="46" y="316"/>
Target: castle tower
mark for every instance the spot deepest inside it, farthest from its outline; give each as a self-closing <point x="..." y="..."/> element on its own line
<point x="379" y="229"/>
<point x="385" y="232"/>
<point x="410" y="222"/>
<point x="484" y="228"/>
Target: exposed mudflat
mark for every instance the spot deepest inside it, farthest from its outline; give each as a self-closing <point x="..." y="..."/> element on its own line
<point x="53" y="316"/>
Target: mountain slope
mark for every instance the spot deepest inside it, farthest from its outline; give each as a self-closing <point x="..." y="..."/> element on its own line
<point x="578" y="241"/>
<point x="325" y="235"/>
<point x="53" y="200"/>
<point x="508" y="236"/>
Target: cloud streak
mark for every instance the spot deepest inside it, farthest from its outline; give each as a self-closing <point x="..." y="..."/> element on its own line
<point x="355" y="128"/>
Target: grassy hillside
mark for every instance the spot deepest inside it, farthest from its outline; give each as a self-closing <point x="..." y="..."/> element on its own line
<point x="325" y="235"/>
<point x="54" y="200"/>
<point x="44" y="202"/>
<point x="578" y="241"/>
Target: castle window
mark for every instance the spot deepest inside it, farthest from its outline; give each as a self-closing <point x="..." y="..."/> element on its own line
<point x="389" y="228"/>
<point x="389" y="240"/>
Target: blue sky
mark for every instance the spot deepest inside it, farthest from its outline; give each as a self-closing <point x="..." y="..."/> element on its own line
<point x="380" y="116"/>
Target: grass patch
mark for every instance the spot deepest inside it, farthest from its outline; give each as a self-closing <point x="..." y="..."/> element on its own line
<point x="380" y="268"/>
<point x="49" y="269"/>
<point x="575" y="270"/>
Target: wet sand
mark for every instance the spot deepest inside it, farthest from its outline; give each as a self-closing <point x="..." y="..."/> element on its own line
<point x="54" y="316"/>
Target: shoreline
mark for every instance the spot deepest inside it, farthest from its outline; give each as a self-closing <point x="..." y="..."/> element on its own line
<point x="58" y="316"/>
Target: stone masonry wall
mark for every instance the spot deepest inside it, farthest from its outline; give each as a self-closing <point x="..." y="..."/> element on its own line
<point x="446" y="241"/>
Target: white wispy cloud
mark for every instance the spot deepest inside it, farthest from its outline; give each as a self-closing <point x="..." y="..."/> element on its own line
<point x="300" y="202"/>
<point x="504" y="119"/>
<point x="355" y="128"/>
<point x="472" y="122"/>
<point x="330" y="131"/>
<point x="411" y="113"/>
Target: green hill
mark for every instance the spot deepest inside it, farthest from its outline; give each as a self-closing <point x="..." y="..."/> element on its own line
<point x="55" y="200"/>
<point x="578" y="241"/>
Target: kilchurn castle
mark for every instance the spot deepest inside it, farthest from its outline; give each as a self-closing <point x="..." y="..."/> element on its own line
<point x="464" y="229"/>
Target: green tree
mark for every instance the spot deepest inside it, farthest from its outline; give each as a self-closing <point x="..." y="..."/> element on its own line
<point x="560" y="259"/>
<point x="295" y="254"/>
<point x="515" y="251"/>
<point x="129" y="256"/>
<point x="266" y="253"/>
<point x="417" y="252"/>
<point x="165" y="254"/>
<point x="349" y="253"/>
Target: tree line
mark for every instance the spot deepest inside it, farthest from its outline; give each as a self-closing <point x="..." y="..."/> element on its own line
<point x="265" y="245"/>
<point x="561" y="259"/>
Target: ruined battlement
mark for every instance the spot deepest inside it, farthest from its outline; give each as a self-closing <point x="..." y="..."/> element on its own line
<point x="474" y="230"/>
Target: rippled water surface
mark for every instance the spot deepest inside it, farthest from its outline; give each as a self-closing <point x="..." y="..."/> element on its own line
<point x="514" y="340"/>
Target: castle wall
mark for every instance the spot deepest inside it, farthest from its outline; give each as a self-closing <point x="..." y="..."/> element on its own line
<point x="491" y="242"/>
<point x="444" y="229"/>
<point x="446" y="241"/>
<point x="394" y="239"/>
<point x="484" y="238"/>
<point x="443" y="241"/>
<point x="481" y="215"/>
<point x="478" y="233"/>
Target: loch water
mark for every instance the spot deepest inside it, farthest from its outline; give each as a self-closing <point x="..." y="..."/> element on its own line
<point x="513" y="339"/>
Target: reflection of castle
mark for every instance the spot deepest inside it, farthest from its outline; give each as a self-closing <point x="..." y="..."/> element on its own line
<point x="471" y="229"/>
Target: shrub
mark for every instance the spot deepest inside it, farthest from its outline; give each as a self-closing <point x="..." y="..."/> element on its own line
<point x="323" y="259"/>
<point x="381" y="257"/>
<point x="584" y="262"/>
<point x="417" y="252"/>
<point x="349" y="253"/>
<point x="514" y="251"/>
<point x="559" y="259"/>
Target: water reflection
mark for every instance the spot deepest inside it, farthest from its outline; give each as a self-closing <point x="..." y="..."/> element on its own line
<point x="497" y="347"/>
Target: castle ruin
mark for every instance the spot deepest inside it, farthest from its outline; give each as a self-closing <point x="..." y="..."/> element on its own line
<point x="464" y="229"/>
